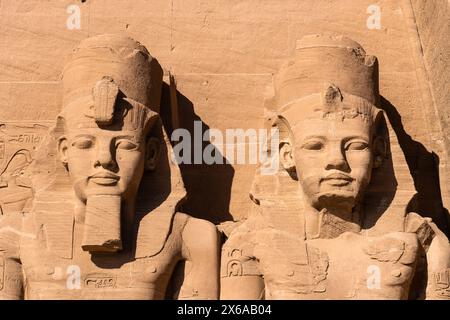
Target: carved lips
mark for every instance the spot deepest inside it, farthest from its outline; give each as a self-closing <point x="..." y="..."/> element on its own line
<point x="104" y="178"/>
<point x="338" y="179"/>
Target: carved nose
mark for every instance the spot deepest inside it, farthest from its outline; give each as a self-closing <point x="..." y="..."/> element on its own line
<point x="336" y="160"/>
<point x="105" y="158"/>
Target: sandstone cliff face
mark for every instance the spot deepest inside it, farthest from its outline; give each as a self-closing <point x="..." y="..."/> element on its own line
<point x="432" y="20"/>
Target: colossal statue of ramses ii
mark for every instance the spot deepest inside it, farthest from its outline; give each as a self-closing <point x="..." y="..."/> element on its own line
<point x="333" y="223"/>
<point x="104" y="221"/>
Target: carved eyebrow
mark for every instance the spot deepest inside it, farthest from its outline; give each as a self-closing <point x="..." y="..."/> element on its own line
<point x="317" y="137"/>
<point x="366" y="139"/>
<point x="84" y="136"/>
<point x="125" y="136"/>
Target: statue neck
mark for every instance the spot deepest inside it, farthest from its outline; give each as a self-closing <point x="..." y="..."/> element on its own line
<point x="330" y="223"/>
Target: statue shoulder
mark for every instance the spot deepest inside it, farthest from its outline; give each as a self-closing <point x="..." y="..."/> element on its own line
<point x="239" y="251"/>
<point x="193" y="225"/>
<point x="424" y="228"/>
<point x="199" y="236"/>
<point x="247" y="230"/>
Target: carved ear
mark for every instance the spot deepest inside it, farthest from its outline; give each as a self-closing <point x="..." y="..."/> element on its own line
<point x="379" y="151"/>
<point x="152" y="152"/>
<point x="63" y="147"/>
<point x="287" y="157"/>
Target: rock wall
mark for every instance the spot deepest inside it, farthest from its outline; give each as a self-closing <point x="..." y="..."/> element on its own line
<point x="433" y="24"/>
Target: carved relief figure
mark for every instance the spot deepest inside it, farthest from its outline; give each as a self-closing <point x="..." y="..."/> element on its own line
<point x="18" y="142"/>
<point x="15" y="188"/>
<point x="333" y="223"/>
<point x="104" y="222"/>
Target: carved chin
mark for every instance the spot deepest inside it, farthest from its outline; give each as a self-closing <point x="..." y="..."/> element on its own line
<point x="331" y="194"/>
<point x="336" y="198"/>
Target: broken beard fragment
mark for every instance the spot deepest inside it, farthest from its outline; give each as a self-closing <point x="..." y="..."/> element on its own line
<point x="102" y="224"/>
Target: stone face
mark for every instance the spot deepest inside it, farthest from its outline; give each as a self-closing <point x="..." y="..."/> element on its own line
<point x="219" y="61"/>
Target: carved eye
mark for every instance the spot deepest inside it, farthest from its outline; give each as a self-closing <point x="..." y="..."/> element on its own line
<point x="126" y="145"/>
<point x="83" y="143"/>
<point x="356" y="146"/>
<point x="315" y="145"/>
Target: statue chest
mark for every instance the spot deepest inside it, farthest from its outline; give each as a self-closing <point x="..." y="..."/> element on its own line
<point x="348" y="267"/>
<point x="86" y="276"/>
